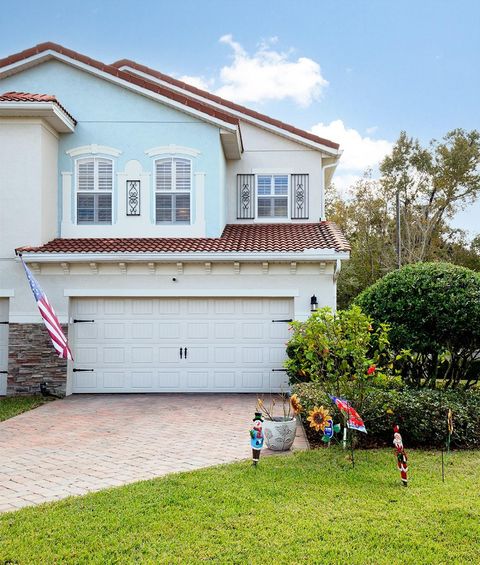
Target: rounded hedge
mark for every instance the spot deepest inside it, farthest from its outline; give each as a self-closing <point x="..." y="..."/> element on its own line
<point x="430" y="307"/>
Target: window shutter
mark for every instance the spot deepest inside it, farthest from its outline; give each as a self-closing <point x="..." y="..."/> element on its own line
<point x="245" y="197"/>
<point x="86" y="174"/>
<point x="299" y="197"/>
<point x="182" y="174"/>
<point x="105" y="171"/>
<point x="163" y="174"/>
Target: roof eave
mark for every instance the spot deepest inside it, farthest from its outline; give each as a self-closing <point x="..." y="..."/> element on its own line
<point x="48" y="111"/>
<point x="135" y="257"/>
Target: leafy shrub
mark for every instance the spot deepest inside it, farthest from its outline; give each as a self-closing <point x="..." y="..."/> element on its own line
<point x="340" y="350"/>
<point x="433" y="310"/>
<point x="421" y="414"/>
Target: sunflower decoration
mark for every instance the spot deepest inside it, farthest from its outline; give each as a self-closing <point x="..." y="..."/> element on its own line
<point x="295" y="404"/>
<point x="319" y="418"/>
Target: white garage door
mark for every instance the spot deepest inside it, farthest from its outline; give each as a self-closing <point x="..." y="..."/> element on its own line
<point x="3" y="345"/>
<point x="179" y="344"/>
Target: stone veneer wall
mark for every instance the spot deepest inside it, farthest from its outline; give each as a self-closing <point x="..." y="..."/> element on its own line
<point x="32" y="360"/>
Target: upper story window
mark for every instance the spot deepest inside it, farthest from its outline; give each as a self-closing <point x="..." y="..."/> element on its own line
<point x="173" y="183"/>
<point x="272" y="196"/>
<point x="94" y="190"/>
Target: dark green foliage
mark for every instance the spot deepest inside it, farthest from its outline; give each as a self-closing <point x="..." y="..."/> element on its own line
<point x="421" y="415"/>
<point x="433" y="310"/>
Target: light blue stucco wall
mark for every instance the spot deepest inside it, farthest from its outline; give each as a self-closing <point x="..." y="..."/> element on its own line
<point x="108" y="114"/>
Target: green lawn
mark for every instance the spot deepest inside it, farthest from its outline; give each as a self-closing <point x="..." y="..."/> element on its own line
<point x="311" y="507"/>
<point x="12" y="405"/>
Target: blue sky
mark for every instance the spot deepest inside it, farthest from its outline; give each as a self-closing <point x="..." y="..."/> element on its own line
<point x="355" y="70"/>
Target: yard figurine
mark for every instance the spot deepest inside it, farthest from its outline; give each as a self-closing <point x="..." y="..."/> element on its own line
<point x="401" y="455"/>
<point x="256" y="437"/>
<point x="330" y="430"/>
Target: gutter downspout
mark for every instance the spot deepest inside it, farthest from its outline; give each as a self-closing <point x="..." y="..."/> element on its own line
<point x="322" y="204"/>
<point x="336" y="272"/>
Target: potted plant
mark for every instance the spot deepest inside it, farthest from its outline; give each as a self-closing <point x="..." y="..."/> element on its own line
<point x="280" y="430"/>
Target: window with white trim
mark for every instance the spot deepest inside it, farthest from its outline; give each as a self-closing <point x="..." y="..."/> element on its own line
<point x="272" y="196"/>
<point x="94" y="190"/>
<point x="173" y="183"/>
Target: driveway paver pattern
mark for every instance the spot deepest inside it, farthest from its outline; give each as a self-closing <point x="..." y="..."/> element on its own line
<point x="85" y="443"/>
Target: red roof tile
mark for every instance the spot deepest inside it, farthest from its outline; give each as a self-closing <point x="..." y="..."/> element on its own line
<point x="236" y="238"/>
<point x="109" y="69"/>
<point x="184" y="99"/>
<point x="29" y="97"/>
<point x="224" y="102"/>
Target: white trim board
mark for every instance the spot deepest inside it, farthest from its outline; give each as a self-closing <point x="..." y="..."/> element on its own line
<point x="7" y="292"/>
<point x="182" y="293"/>
<point x="308" y="255"/>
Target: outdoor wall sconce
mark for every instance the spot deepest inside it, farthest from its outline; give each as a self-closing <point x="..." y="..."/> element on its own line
<point x="313" y="304"/>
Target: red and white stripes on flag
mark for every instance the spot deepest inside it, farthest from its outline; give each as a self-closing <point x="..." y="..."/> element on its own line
<point x="50" y="319"/>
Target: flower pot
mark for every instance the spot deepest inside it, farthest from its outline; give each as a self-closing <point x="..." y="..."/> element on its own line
<point x="280" y="433"/>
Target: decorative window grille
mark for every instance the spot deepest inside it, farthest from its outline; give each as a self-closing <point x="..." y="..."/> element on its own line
<point x="94" y="190"/>
<point x="299" y="190"/>
<point x="173" y="181"/>
<point x="245" y="197"/>
<point x="272" y="196"/>
<point x="133" y="198"/>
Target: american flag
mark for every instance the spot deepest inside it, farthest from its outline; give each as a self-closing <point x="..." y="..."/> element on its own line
<point x="50" y="319"/>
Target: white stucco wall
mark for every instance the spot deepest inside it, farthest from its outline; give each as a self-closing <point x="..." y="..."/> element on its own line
<point x="28" y="184"/>
<point x="266" y="152"/>
<point x="299" y="280"/>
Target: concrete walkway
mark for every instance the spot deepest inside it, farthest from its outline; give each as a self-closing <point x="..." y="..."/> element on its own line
<point x="86" y="443"/>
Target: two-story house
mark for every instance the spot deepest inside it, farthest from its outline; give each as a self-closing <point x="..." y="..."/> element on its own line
<point x="175" y="233"/>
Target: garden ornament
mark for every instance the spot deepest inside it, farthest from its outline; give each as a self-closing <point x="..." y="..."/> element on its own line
<point x="354" y="422"/>
<point x="329" y="431"/>
<point x="401" y="455"/>
<point x="256" y="437"/>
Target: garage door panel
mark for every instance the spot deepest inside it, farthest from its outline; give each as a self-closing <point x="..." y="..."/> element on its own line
<point x="169" y="330"/>
<point x="142" y="330"/>
<point x="252" y="330"/>
<point x="114" y="355"/>
<point x="86" y="355"/>
<point x="168" y="354"/>
<point x="85" y="382"/>
<point x="114" y="380"/>
<point x="197" y="330"/>
<point x="197" y="380"/>
<point x="142" y="379"/>
<point x="225" y="354"/>
<point x="134" y="344"/>
<point x="168" y="380"/>
<point x="224" y="380"/>
<point x="224" y="330"/>
<point x="142" y="355"/>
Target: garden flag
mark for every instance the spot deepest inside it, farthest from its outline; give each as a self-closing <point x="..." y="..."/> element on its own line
<point x="50" y="319"/>
<point x="354" y="421"/>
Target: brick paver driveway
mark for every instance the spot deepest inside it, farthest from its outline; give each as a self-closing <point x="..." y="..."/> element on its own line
<point x="90" y="442"/>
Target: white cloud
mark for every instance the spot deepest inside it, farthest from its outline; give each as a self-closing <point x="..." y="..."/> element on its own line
<point x="199" y="82"/>
<point x="269" y="75"/>
<point x="359" y="153"/>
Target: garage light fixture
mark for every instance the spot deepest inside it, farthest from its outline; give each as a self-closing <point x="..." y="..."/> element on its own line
<point x="313" y="303"/>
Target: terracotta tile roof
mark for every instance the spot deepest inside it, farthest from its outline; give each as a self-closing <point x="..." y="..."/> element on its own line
<point x="109" y="69"/>
<point x="29" y="97"/>
<point x="236" y="238"/>
<point x="184" y="99"/>
<point x="224" y="102"/>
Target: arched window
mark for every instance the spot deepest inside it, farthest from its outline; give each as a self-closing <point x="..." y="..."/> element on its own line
<point x="173" y="183"/>
<point x="94" y="183"/>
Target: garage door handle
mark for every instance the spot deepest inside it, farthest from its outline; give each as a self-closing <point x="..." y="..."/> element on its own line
<point x="276" y="370"/>
<point x="4" y="323"/>
<point x="75" y="321"/>
<point x="181" y="353"/>
<point x="276" y="321"/>
<point x="186" y="352"/>
<point x="3" y="372"/>
<point x="83" y="370"/>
